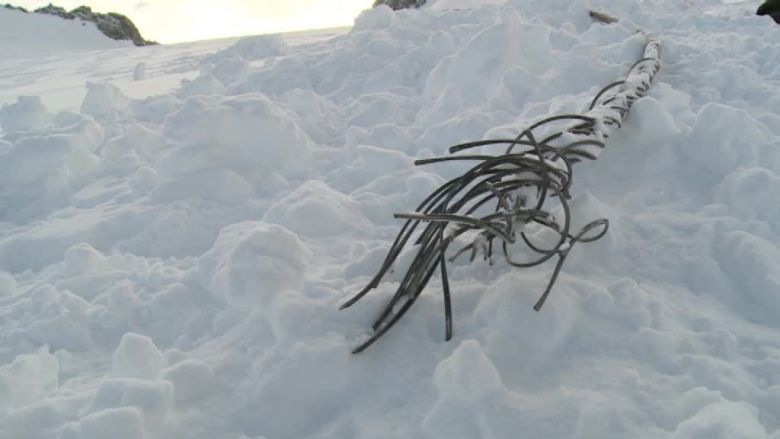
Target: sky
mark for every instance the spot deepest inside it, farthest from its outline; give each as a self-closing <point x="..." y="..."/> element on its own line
<point x="172" y="21"/>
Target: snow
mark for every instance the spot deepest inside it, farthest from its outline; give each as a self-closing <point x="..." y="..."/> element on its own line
<point x="179" y="225"/>
<point x="21" y="32"/>
<point x="137" y="357"/>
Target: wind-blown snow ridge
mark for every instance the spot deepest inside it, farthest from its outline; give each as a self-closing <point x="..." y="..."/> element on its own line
<point x="171" y="266"/>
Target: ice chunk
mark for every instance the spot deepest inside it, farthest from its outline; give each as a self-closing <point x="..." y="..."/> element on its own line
<point x="467" y="374"/>
<point x="139" y="72"/>
<point x="751" y="263"/>
<point x="723" y="420"/>
<point x="27" y="378"/>
<point x="137" y="357"/>
<point x="295" y="384"/>
<point x="480" y="64"/>
<point x="723" y="138"/>
<point x="28" y="113"/>
<point x="316" y="210"/>
<point x="152" y="399"/>
<point x="83" y="258"/>
<point x="249" y="134"/>
<point x="145" y="180"/>
<point x="472" y="400"/>
<point x="7" y="285"/>
<point x="751" y="193"/>
<point x="192" y="380"/>
<point x="228" y="70"/>
<point x="650" y="123"/>
<point x="103" y="99"/>
<point x="251" y="262"/>
<point x="116" y="423"/>
<point x="251" y="49"/>
<point x="372" y="19"/>
<point x="205" y="84"/>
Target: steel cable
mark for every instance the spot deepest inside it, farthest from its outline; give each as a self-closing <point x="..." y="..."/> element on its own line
<point x="492" y="200"/>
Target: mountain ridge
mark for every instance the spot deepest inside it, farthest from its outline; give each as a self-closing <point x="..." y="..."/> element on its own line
<point x="400" y="4"/>
<point x="113" y="25"/>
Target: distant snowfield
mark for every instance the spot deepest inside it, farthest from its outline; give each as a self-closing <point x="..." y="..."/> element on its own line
<point x="54" y="58"/>
<point x="22" y="32"/>
<point x="174" y="247"/>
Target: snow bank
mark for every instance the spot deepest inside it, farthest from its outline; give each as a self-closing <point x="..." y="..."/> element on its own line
<point x="171" y="267"/>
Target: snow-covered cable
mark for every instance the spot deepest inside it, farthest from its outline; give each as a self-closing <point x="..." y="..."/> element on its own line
<point x="508" y="196"/>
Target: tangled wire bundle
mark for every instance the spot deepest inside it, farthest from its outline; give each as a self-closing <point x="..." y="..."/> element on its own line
<point x="503" y="195"/>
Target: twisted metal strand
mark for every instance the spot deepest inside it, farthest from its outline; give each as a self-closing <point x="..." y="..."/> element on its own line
<point x="491" y="199"/>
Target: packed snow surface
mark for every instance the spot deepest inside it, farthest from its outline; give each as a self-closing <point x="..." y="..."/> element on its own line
<point x="176" y="237"/>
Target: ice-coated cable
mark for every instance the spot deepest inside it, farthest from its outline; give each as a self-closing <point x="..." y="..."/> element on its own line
<point x="501" y="197"/>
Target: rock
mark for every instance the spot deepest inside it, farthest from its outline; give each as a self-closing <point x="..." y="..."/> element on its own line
<point x="113" y="25"/>
<point x="15" y="8"/>
<point x="55" y="10"/>
<point x="400" y="4"/>
<point x="771" y="8"/>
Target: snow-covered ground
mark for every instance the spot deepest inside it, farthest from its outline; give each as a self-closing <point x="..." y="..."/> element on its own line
<point x="53" y="58"/>
<point x="174" y="249"/>
<point x="22" y="32"/>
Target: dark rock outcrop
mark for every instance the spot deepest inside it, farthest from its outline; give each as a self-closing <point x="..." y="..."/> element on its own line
<point x="55" y="10"/>
<point x="15" y="8"/>
<point x="113" y="25"/>
<point x="771" y="8"/>
<point x="400" y="4"/>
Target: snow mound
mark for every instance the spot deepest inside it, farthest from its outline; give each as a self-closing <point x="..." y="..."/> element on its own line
<point x="252" y="262"/>
<point x="212" y="133"/>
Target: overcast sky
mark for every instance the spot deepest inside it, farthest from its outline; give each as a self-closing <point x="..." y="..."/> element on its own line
<point x="170" y="21"/>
